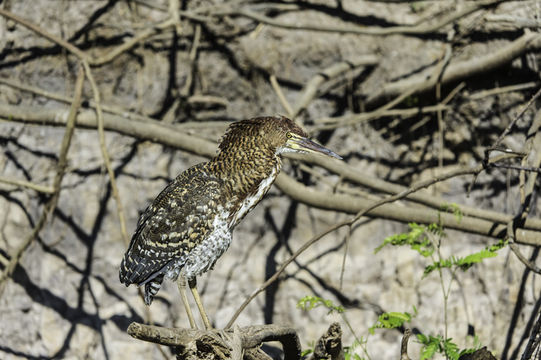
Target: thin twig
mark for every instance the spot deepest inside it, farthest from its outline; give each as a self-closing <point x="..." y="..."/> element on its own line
<point x="334" y="122"/>
<point x="344" y="257"/>
<point x="441" y="106"/>
<point x="185" y="91"/>
<point x="496" y="146"/>
<point x="105" y="154"/>
<point x="280" y="95"/>
<point x="534" y="343"/>
<point x="434" y="77"/>
<point x="311" y="88"/>
<point x="350" y="222"/>
<point x="528" y="188"/>
<point x="68" y="100"/>
<point x="71" y="48"/>
<point x="61" y="167"/>
<point x="523" y="259"/>
<point x="500" y="90"/>
<point x="514" y="121"/>
<point x="27" y="184"/>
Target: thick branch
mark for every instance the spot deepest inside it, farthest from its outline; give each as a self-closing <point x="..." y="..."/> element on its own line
<point x="170" y="136"/>
<point x="353" y="205"/>
<point x="329" y="345"/>
<point x="378" y="31"/>
<point x="461" y="70"/>
<point x="310" y="89"/>
<point x="350" y="173"/>
<point x="251" y="337"/>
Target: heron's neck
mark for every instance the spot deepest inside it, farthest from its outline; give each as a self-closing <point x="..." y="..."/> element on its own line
<point x="248" y="173"/>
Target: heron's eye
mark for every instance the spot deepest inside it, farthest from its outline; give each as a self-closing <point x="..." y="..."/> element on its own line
<point x="289" y="135"/>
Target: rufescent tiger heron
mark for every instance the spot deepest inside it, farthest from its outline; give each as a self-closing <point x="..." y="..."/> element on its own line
<point x="189" y="225"/>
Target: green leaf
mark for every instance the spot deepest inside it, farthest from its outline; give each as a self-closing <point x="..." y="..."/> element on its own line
<point x="451" y="349"/>
<point x="306" y="352"/>
<point x="428" y="351"/>
<point x="466" y="262"/>
<point x="416" y="238"/>
<point x="391" y="320"/>
<point x="309" y="302"/>
<point x="453" y="208"/>
<point x="349" y="351"/>
<point x="437" y="344"/>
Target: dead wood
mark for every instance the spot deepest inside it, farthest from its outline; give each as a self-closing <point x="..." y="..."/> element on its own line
<point x="220" y="344"/>
<point x="329" y="345"/>
<point x="481" y="354"/>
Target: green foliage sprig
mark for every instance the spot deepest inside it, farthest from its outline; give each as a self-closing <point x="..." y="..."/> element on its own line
<point x="416" y="239"/>
<point x="309" y="302"/>
<point x="391" y="320"/>
<point x="464" y="263"/>
<point x="437" y="344"/>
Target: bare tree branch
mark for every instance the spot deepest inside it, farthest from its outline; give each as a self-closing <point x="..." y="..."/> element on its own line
<point x="462" y="70"/>
<point x="219" y="340"/>
<point x="406" y="30"/>
<point x="166" y="135"/>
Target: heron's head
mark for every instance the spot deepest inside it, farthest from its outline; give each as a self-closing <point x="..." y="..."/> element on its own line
<point x="278" y="134"/>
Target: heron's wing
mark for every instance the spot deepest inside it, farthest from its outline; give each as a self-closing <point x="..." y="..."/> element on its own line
<point x="176" y="221"/>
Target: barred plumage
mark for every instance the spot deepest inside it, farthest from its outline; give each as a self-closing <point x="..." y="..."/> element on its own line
<point x="189" y="224"/>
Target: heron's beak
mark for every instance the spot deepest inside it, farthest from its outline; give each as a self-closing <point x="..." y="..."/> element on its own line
<point x="299" y="143"/>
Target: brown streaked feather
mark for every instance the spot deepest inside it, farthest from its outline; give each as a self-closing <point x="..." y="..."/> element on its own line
<point x="166" y="229"/>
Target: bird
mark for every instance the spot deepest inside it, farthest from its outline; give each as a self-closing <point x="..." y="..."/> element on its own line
<point x="189" y="225"/>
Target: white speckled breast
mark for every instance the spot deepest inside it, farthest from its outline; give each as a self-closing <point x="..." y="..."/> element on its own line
<point x="251" y="200"/>
<point x="203" y="257"/>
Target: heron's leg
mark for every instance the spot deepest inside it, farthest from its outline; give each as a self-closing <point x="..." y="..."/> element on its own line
<point x="181" y="283"/>
<point x="192" y="283"/>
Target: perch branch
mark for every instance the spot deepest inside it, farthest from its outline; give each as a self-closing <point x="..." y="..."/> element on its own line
<point x="329" y="345"/>
<point x="251" y="337"/>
